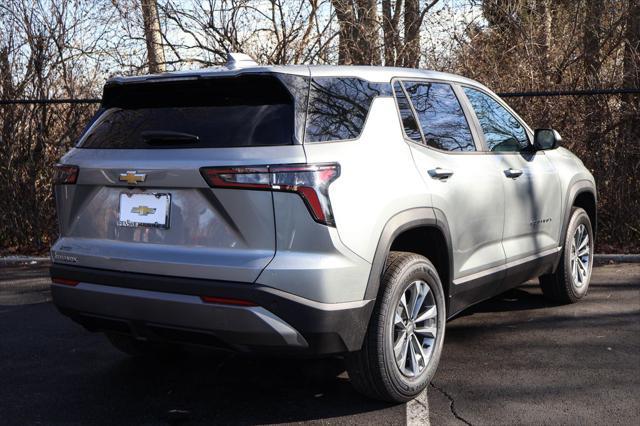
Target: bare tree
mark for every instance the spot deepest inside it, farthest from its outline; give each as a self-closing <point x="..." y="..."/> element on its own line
<point x="390" y="29"/>
<point x="546" y="35"/>
<point x="400" y="21"/>
<point x="41" y="56"/>
<point x="592" y="39"/>
<point x="631" y="65"/>
<point x="153" y="36"/>
<point x="358" y="42"/>
<point x="413" y="18"/>
<point x="273" y="32"/>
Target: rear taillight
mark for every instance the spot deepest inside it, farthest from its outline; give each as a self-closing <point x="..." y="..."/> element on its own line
<point x="65" y="175"/>
<point x="310" y="181"/>
<point x="65" y="281"/>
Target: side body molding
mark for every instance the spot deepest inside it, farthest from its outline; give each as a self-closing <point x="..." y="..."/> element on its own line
<point x="403" y="221"/>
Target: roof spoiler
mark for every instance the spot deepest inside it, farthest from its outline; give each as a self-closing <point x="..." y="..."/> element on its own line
<point x="239" y="60"/>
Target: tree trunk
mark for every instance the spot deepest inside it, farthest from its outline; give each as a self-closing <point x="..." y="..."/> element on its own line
<point x="390" y="31"/>
<point x="368" y="18"/>
<point x="545" y="57"/>
<point x="346" y="20"/>
<point x="153" y="36"/>
<point x="631" y="66"/>
<point x="412" y="24"/>
<point x="358" y="44"/>
<point x="591" y="41"/>
<point x="592" y="33"/>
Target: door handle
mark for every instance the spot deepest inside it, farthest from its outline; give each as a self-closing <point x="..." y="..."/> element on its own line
<point x="512" y="173"/>
<point x="440" y="173"/>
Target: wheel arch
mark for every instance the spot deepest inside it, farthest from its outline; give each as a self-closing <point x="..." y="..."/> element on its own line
<point x="410" y="230"/>
<point x="587" y="200"/>
<point x="581" y="194"/>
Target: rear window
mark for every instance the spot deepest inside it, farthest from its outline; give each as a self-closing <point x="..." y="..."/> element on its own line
<point x="249" y="110"/>
<point x="338" y="107"/>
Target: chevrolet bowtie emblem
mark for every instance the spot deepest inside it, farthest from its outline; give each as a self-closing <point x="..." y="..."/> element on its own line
<point x="132" y="178"/>
<point x="143" y="210"/>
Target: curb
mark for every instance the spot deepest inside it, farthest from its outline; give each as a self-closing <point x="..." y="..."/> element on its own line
<point x="23" y="260"/>
<point x="36" y="260"/>
<point x="616" y="258"/>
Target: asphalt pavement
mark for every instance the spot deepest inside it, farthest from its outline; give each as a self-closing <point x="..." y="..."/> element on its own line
<point x="516" y="359"/>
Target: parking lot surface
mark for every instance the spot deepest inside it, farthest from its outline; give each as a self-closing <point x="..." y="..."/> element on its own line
<point x="515" y="359"/>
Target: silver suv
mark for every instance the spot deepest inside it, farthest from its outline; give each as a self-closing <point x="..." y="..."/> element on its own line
<point x="312" y="211"/>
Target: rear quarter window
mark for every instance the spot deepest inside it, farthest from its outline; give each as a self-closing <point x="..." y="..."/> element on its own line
<point x="338" y="107"/>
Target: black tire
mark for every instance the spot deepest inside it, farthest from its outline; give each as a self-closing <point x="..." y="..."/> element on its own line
<point x="373" y="369"/>
<point x="143" y="348"/>
<point x="561" y="286"/>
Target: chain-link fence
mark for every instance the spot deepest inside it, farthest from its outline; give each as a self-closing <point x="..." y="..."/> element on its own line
<point x="601" y="127"/>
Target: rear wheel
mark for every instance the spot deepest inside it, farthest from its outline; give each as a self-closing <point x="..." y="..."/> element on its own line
<point x="570" y="282"/>
<point x="403" y="343"/>
<point x="143" y="348"/>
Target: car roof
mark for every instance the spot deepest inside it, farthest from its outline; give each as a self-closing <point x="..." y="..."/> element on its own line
<point x="384" y="74"/>
<point x="371" y="73"/>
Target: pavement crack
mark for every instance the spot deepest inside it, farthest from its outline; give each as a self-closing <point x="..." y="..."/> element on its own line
<point x="452" y="404"/>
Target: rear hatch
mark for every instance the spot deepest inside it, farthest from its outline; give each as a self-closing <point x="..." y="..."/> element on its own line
<point x="140" y="201"/>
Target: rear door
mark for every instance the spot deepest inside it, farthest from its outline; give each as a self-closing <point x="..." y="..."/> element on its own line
<point x="465" y="187"/>
<point x="141" y="202"/>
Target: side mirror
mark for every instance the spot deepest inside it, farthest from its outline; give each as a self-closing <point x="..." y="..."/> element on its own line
<point x="545" y="139"/>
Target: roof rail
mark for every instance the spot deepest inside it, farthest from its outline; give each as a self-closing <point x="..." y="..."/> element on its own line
<point x="239" y="60"/>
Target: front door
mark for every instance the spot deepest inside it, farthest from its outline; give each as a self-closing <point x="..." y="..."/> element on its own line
<point x="531" y="185"/>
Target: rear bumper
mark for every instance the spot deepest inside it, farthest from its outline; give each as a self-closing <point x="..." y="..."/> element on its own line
<point x="169" y="308"/>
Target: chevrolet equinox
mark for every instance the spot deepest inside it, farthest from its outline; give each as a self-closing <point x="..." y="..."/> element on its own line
<point x="324" y="210"/>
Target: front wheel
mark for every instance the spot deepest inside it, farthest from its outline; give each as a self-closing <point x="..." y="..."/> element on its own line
<point x="570" y="282"/>
<point x="404" y="339"/>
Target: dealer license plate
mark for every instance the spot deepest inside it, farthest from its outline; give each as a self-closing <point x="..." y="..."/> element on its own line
<point x="144" y="210"/>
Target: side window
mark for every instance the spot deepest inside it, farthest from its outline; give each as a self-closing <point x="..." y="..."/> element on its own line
<point x="502" y="130"/>
<point x="440" y="116"/>
<point x="338" y="107"/>
<point x="406" y="115"/>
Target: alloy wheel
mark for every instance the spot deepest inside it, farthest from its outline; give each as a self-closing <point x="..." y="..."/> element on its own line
<point x="414" y="329"/>
<point x="580" y="256"/>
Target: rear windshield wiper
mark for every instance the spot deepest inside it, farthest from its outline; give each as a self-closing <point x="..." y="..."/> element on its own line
<point x="159" y="137"/>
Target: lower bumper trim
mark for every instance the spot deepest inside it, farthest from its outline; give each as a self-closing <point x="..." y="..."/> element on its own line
<point x="236" y="326"/>
<point x="280" y="322"/>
